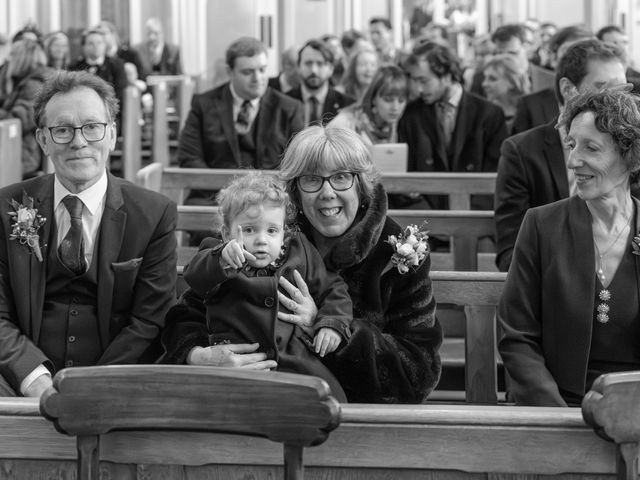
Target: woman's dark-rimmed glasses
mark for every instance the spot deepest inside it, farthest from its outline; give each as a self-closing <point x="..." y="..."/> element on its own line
<point x="339" y="182"/>
<point x="92" y="132"/>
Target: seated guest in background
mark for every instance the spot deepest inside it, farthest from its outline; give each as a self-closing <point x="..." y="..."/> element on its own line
<point x="447" y="128"/>
<point x="381" y="35"/>
<point x="569" y="309"/>
<point x="376" y="117"/>
<point x="352" y="41"/>
<point x="26" y="71"/>
<point x="315" y="67"/>
<point x="95" y="60"/>
<point x="505" y="81"/>
<point x="542" y="53"/>
<point x="288" y="77"/>
<point x="94" y="275"/>
<point x="235" y="277"/>
<point x="618" y="37"/>
<point x="363" y="65"/>
<point x="56" y="48"/>
<point x="242" y="123"/>
<point x="333" y="42"/>
<point x="507" y="39"/>
<point x="392" y="355"/>
<point x="539" y="108"/>
<point x="131" y="58"/>
<point x="532" y="169"/>
<point x="158" y="57"/>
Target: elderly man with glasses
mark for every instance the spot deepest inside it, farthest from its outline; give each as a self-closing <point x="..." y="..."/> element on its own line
<point x="87" y="260"/>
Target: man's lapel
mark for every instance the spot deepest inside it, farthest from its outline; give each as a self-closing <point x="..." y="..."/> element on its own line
<point x="434" y="131"/>
<point x="554" y="156"/>
<point x="224" y="103"/>
<point x="466" y="112"/>
<point x="36" y="283"/>
<point x="112" y="230"/>
<point x="264" y="123"/>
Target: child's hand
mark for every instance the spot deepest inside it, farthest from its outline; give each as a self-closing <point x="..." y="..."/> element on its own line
<point x="326" y="341"/>
<point x="233" y="254"/>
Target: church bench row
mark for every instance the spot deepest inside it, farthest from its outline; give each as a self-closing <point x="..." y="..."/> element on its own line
<point x="174" y="182"/>
<point x="478" y="294"/>
<point x="464" y="227"/>
<point x="373" y="441"/>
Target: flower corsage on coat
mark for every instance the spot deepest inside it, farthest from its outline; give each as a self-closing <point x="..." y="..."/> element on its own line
<point x="410" y="248"/>
<point x="26" y="223"/>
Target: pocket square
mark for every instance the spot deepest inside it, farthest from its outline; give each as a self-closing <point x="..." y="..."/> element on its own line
<point x="126" y="265"/>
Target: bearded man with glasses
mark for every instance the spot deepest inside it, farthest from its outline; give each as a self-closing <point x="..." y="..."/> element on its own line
<point x="87" y="260"/>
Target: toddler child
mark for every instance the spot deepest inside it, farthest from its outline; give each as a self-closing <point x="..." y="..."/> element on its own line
<point x="239" y="279"/>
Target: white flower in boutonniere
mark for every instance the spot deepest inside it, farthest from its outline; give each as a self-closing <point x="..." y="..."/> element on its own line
<point x="410" y="248"/>
<point x="26" y="223"/>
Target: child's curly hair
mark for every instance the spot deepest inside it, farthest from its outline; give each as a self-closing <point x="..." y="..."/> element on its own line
<point x="252" y="189"/>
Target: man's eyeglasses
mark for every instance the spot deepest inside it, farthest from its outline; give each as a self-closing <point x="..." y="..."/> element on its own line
<point x="92" y="132"/>
<point x="339" y="181"/>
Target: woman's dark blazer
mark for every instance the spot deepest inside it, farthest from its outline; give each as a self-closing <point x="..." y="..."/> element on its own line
<point x="546" y="309"/>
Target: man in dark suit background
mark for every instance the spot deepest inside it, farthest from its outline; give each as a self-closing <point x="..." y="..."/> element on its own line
<point x="541" y="107"/>
<point x="532" y="169"/>
<point x="242" y="123"/>
<point x="315" y="68"/>
<point x="92" y="284"/>
<point x="448" y="129"/>
<point x="157" y="56"/>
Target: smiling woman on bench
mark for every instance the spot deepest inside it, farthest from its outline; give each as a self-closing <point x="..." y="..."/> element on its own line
<point x="570" y="305"/>
<point x="392" y="355"/>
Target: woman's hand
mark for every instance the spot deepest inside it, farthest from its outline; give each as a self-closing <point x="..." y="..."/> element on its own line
<point x="231" y="355"/>
<point x="300" y="303"/>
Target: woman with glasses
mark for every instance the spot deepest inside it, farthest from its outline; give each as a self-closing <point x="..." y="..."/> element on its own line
<point x="26" y="72"/>
<point x="392" y="353"/>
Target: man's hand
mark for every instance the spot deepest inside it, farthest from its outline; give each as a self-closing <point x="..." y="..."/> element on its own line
<point x="38" y="386"/>
<point x="231" y="355"/>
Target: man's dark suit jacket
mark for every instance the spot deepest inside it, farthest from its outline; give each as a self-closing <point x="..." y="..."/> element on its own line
<point x="333" y="103"/>
<point x="535" y="109"/>
<point x="209" y="138"/>
<point x="475" y="144"/>
<point x="136" y="275"/>
<point x="547" y="306"/>
<point x="531" y="172"/>
<point x="170" y="63"/>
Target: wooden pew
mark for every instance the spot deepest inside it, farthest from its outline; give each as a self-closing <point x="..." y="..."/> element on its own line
<point x="10" y="151"/>
<point x="458" y="186"/>
<point x="375" y="442"/>
<point x="184" y="85"/>
<point x="464" y="227"/>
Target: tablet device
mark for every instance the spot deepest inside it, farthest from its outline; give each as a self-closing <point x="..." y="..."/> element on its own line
<point x="390" y="157"/>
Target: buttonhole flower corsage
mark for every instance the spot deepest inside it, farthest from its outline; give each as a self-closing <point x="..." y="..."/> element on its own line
<point x="410" y="248"/>
<point x="26" y="223"/>
<point x="635" y="244"/>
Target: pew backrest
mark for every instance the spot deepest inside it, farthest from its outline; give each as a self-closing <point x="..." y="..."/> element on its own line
<point x="458" y="186"/>
<point x="10" y="151"/>
<point x="464" y="227"/>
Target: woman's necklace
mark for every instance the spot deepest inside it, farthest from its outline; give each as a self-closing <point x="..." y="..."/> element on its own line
<point x="605" y="294"/>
